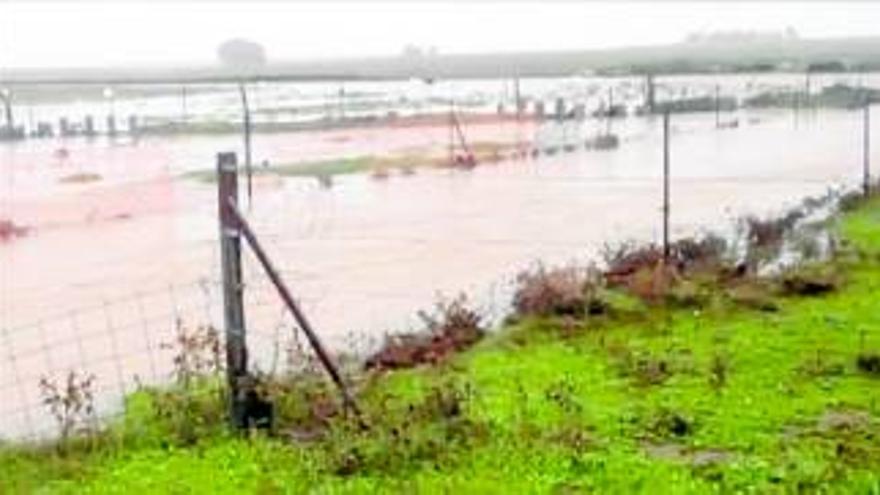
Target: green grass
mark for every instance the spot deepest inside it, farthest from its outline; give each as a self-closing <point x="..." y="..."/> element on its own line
<point x="542" y="408"/>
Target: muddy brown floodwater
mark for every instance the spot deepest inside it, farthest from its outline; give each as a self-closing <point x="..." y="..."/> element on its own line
<point x="109" y="263"/>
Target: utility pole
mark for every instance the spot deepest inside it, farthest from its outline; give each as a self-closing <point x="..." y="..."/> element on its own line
<point x="233" y="289"/>
<point x="666" y="185"/>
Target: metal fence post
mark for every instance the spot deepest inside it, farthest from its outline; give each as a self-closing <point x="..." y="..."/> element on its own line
<point x="666" y="185"/>
<point x="866" y="149"/>
<point x="233" y="304"/>
<point x="246" y="109"/>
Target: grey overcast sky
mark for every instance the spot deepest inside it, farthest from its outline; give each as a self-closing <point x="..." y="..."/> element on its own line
<point x="96" y="34"/>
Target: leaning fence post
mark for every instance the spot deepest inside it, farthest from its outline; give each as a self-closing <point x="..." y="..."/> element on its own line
<point x="299" y="316"/>
<point x="666" y="185"/>
<point x="233" y="305"/>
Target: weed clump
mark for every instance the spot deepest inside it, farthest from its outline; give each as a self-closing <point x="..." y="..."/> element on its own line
<point x="670" y="424"/>
<point x="565" y="291"/>
<point x="869" y="363"/>
<point x="678" y="277"/>
<point x="451" y="328"/>
<point x="810" y="280"/>
<point x="71" y="404"/>
<point x="432" y="432"/>
<point x="719" y="369"/>
<point x="194" y="406"/>
<point x="753" y="294"/>
<point x="644" y="370"/>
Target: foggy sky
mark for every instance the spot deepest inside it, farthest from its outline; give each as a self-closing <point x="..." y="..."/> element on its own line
<point x="96" y="34"/>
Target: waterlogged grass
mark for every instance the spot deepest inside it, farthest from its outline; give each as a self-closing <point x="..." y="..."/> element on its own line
<point x="316" y="168"/>
<point x="722" y="399"/>
<point x="405" y="163"/>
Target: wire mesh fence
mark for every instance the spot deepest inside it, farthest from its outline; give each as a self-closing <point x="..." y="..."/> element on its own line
<point x="123" y="343"/>
<point x="363" y="254"/>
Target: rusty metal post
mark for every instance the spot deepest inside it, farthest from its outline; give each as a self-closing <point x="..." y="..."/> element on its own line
<point x="299" y="316"/>
<point x="233" y="303"/>
<point x="666" y="185"/>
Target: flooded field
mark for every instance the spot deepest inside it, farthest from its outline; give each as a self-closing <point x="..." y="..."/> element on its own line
<point x="121" y="242"/>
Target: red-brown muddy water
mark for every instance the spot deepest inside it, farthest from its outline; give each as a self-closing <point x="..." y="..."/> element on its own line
<point x="108" y="265"/>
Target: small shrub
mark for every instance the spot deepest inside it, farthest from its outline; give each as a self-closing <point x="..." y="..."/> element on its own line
<point x="652" y="283"/>
<point x="688" y="294"/>
<point x="679" y="278"/>
<point x="452" y="327"/>
<point x="706" y="253"/>
<point x="754" y="294"/>
<point x="567" y="291"/>
<point x="304" y="401"/>
<point x="810" y="280"/>
<point x="71" y="404"/>
<point x="851" y="201"/>
<point x="195" y="406"/>
<point x="198" y="353"/>
<point x="433" y="431"/>
<point x="175" y="415"/>
<point x="624" y="261"/>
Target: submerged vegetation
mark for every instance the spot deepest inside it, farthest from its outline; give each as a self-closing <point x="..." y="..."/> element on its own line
<point x="836" y="96"/>
<point x="694" y="372"/>
<point x="378" y="167"/>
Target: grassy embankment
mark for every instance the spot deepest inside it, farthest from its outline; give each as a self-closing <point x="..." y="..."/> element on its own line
<point x="746" y="388"/>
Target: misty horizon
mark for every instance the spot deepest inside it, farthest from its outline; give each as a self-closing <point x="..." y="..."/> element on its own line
<point x="136" y="35"/>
